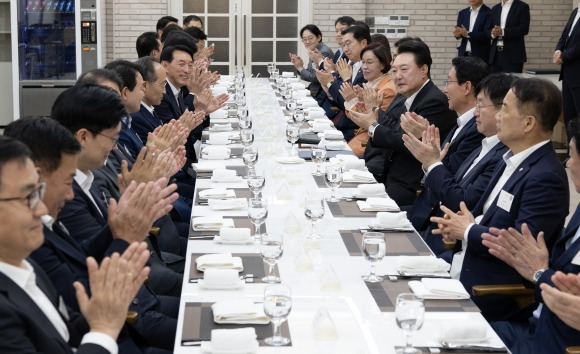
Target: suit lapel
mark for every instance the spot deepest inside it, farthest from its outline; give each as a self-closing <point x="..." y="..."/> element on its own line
<point x="459" y="175"/>
<point x="64" y="243"/>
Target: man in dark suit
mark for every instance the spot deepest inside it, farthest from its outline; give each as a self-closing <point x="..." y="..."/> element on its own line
<point x="531" y="186"/>
<point x="470" y="29"/>
<point x="385" y="155"/>
<point x="31" y="319"/>
<point x="508" y="23"/>
<point x="567" y="55"/>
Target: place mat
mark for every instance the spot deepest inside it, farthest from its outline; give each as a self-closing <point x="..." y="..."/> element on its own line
<point x="198" y="324"/>
<point x="305" y="154"/>
<point x="348" y="209"/>
<point x="398" y="243"/>
<point x="385" y="294"/>
<point x="239" y="221"/>
<point x="308" y="138"/>
<point x="231" y="114"/>
<point x="240" y="193"/>
<point x="454" y="351"/>
<point x="240" y="171"/>
<point x="253" y="264"/>
<point x="321" y="184"/>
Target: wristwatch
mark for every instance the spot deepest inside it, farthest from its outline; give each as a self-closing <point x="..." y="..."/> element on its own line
<point x="372" y="128"/>
<point x="537" y="274"/>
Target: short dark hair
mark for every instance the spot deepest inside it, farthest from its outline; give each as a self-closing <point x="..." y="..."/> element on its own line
<point x="312" y="28"/>
<point x="163" y="21"/>
<point x="91" y="107"/>
<point x="472" y="69"/>
<point x="167" y="53"/>
<point x="196" y="33"/>
<point x="147" y="65"/>
<point x="495" y="86"/>
<point x="181" y="38"/>
<point x="382" y="39"/>
<point x="168" y="31"/>
<point x="405" y="39"/>
<point x="574" y="131"/>
<point x="420" y="51"/>
<point x="46" y="139"/>
<point x="12" y="150"/>
<point x="99" y="76"/>
<point x="345" y="20"/>
<point x="188" y="19"/>
<point x="146" y="43"/>
<point x="359" y="33"/>
<point x="382" y="53"/>
<point x="539" y="98"/>
<point x="127" y="71"/>
<point x="362" y="24"/>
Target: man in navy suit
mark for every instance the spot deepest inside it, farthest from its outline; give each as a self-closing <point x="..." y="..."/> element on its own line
<point x="529" y="186"/>
<point x="545" y="332"/>
<point x="31" y="319"/>
<point x="567" y="55"/>
<point x="508" y="23"/>
<point x="470" y="29"/>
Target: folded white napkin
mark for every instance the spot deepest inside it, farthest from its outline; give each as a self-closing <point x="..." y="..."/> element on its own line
<point x="216" y="278"/>
<point x="307" y="102"/>
<point x="335" y="145"/>
<point x="357" y="176"/>
<point x="370" y="190"/>
<point x="287" y="74"/>
<point x="289" y="159"/>
<point x="311" y="115"/>
<point x="297" y="86"/>
<point x="227" y="204"/>
<point x="320" y="127"/>
<point x="210" y="223"/>
<point x="238" y="311"/>
<point x="219" y="139"/>
<point x="236" y="340"/>
<point x="352" y="164"/>
<point x="217" y="193"/>
<point x="377" y="204"/>
<point x="463" y="331"/>
<point x="220" y="113"/>
<point x="391" y="220"/>
<point x="207" y="166"/>
<point x="222" y="175"/>
<point x="331" y="134"/>
<point x="219" y="260"/>
<point x="439" y="289"/>
<point x="215" y="152"/>
<point x="421" y="264"/>
<point x="234" y="234"/>
<point x="221" y="127"/>
<point x="292" y="80"/>
<point x="301" y="93"/>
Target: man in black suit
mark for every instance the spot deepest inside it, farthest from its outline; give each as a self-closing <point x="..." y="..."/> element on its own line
<point x="30" y="316"/>
<point x="470" y="29"/>
<point x="385" y="155"/>
<point x="508" y="23"/>
<point x="567" y="55"/>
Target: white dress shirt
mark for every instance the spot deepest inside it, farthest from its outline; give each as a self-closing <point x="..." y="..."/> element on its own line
<point x="85" y="181"/>
<point x="575" y="21"/>
<point x="461" y="121"/>
<point x="505" y="9"/>
<point x="486" y="145"/>
<point x="409" y="101"/>
<point x="472" y="18"/>
<point x="176" y="92"/>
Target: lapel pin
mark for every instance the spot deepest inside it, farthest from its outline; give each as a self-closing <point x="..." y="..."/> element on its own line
<point x="521" y="169"/>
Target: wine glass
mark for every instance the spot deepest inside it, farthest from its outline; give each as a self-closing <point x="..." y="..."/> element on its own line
<point x="409" y="312"/>
<point x="286" y="92"/>
<point x="374" y="249"/>
<point x="292" y="134"/>
<point x="250" y="157"/>
<point x="271" y="67"/>
<point x="333" y="179"/>
<point x="257" y="212"/>
<point x="298" y="116"/>
<point x="247" y="137"/>
<point x="245" y="122"/>
<point x="242" y="111"/>
<point x="314" y="211"/>
<point x="240" y="99"/>
<point x="256" y="183"/>
<point x="318" y="154"/>
<point x="277" y="306"/>
<point x="271" y="250"/>
<point x="291" y="106"/>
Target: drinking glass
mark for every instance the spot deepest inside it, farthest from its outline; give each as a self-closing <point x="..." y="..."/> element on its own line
<point x="247" y="137"/>
<point x="240" y="99"/>
<point x="333" y="179"/>
<point x="256" y="183"/>
<point x="257" y="212"/>
<point x="292" y="134"/>
<point x="314" y="211"/>
<point x="291" y="106"/>
<point x="271" y="250"/>
<point x="409" y="312"/>
<point x="276" y="73"/>
<point x="250" y="157"/>
<point x="298" y="116"/>
<point x="286" y="92"/>
<point x="242" y="111"/>
<point x="271" y="67"/>
<point x="374" y="249"/>
<point x="318" y="154"/>
<point x="277" y="306"/>
<point x="245" y="122"/>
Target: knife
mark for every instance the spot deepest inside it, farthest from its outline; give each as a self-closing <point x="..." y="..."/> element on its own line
<point x="416" y="276"/>
<point x="473" y="347"/>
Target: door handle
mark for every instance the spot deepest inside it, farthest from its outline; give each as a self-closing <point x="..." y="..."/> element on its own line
<point x="236" y="40"/>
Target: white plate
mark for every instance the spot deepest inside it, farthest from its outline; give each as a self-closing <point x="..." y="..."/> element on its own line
<point x="239" y="285"/>
<point x="218" y="239"/>
<point x="207" y="348"/>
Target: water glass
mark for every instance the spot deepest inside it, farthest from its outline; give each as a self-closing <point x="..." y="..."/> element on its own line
<point x="409" y="313"/>
<point x="271" y="250"/>
<point x="257" y="213"/>
<point x="242" y="111"/>
<point x="374" y="249"/>
<point x="291" y="106"/>
<point x="250" y="157"/>
<point x="333" y="179"/>
<point x="318" y="154"/>
<point x="271" y="67"/>
<point x="277" y="306"/>
<point x="247" y="136"/>
<point x="256" y="182"/>
<point x="298" y="116"/>
<point x="292" y="134"/>
<point x="314" y="211"/>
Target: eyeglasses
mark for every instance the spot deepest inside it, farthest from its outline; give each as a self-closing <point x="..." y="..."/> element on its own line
<point x="347" y="44"/>
<point x="114" y="140"/>
<point x="33" y="198"/>
<point x="308" y="39"/>
<point x="479" y="107"/>
<point x="160" y="84"/>
<point x="448" y="81"/>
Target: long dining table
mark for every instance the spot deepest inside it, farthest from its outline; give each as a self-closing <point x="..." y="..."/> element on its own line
<point x="325" y="274"/>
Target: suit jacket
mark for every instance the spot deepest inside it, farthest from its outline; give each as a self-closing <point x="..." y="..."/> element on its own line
<point x="517" y="26"/>
<point x="130" y="141"/>
<point x="539" y="187"/>
<point x="477" y="37"/>
<point x="143" y="123"/>
<point x="357" y="79"/>
<point x="24" y="328"/>
<point x="387" y="157"/>
<point x="309" y="73"/>
<point x="570" y="47"/>
<point x="468" y="139"/>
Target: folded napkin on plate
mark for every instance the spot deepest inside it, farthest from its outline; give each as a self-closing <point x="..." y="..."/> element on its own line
<point x="220" y="113"/>
<point x="207" y="166"/>
<point x="210" y="223"/>
<point x="219" y="260"/>
<point x="234" y="234"/>
<point x="421" y="264"/>
<point x="301" y="93"/>
<point x="307" y="102"/>
<point x="227" y="204"/>
<point x="377" y="204"/>
<point x="222" y="175"/>
<point x="463" y="332"/>
<point x="331" y="134"/>
<point x="221" y="127"/>
<point x="235" y="340"/>
<point x="391" y="220"/>
<point x="370" y="190"/>
<point x="287" y="74"/>
<point x="320" y="127"/>
<point x="217" y="193"/>
<point x="311" y="115"/>
<point x="355" y="164"/>
<point x="215" y="152"/>
<point x="220" y="278"/>
<point x="218" y="139"/>
<point x="335" y="145"/>
<point x="439" y="289"/>
<point x="239" y="311"/>
<point x="289" y="159"/>
<point x="297" y="86"/>
<point x="292" y="80"/>
<point x="356" y="176"/>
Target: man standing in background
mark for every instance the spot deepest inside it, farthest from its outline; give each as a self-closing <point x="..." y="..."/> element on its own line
<point x="470" y="29"/>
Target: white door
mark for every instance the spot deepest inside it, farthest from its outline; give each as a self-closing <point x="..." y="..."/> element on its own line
<point x="250" y="33"/>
